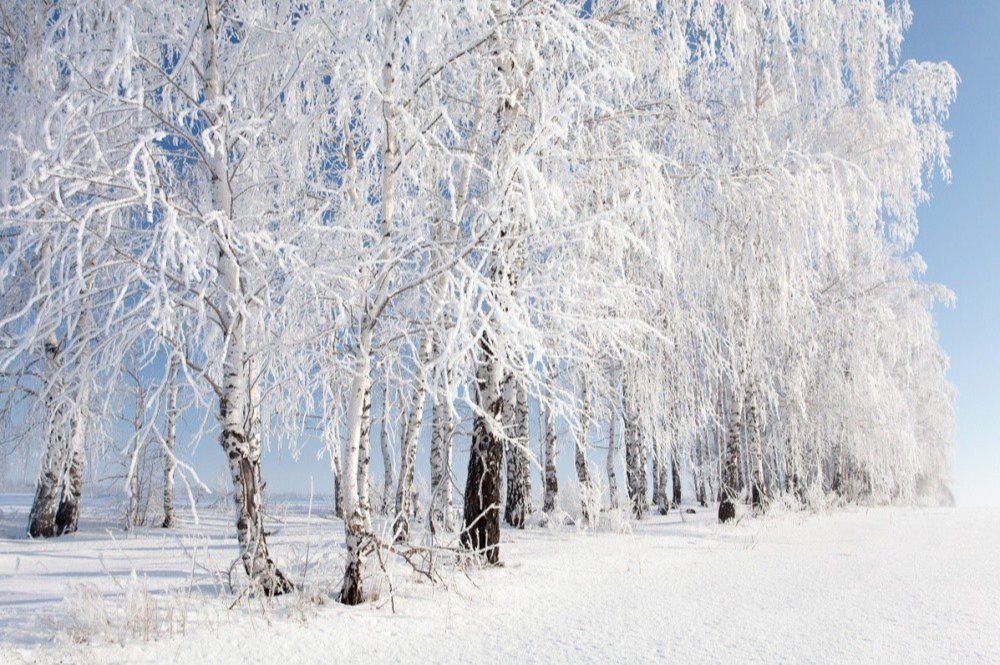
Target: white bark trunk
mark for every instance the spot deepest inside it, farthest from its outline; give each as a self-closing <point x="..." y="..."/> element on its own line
<point x="519" y="464"/>
<point x="404" y="489"/>
<point x="169" y="448"/>
<point x="441" y="499"/>
<point x="635" y="457"/>
<point x="587" y="499"/>
<point x="661" y="470"/>
<point x="612" y="459"/>
<point x="68" y="515"/>
<point x="387" y="456"/>
<point x="729" y="481"/>
<point x="238" y="441"/>
<point x="352" y="592"/>
<point x="42" y="519"/>
<point x="364" y="460"/>
<point x="758" y="490"/>
<point x="357" y="536"/>
<point x="551" y="450"/>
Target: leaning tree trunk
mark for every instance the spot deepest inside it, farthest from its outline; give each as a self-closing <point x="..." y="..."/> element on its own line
<point x="519" y="465"/>
<point x="481" y="529"/>
<point x="241" y="447"/>
<point x="42" y="519"/>
<point x="169" y="448"/>
<point x="404" y="487"/>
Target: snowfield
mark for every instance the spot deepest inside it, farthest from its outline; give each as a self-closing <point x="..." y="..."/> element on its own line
<point x="896" y="585"/>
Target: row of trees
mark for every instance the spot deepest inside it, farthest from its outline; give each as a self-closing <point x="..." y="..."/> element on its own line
<point x="679" y="230"/>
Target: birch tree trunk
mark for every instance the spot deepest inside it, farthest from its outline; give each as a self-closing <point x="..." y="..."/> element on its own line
<point x="635" y="470"/>
<point x="441" y="438"/>
<point x="700" y="452"/>
<point x="135" y="466"/>
<point x="635" y="459"/>
<point x="758" y="488"/>
<point x="481" y="529"/>
<point x="729" y="489"/>
<point x="240" y="445"/>
<point x="169" y="448"/>
<point x="68" y="514"/>
<point x="132" y="512"/>
<point x="612" y="457"/>
<point x="357" y="537"/>
<point x="404" y="487"/>
<point x="364" y="461"/>
<point x="656" y="477"/>
<point x="580" y="457"/>
<point x="551" y="450"/>
<point x="519" y="465"/>
<point x="660" y="470"/>
<point x="42" y="518"/>
<point x="441" y="508"/>
<point x="338" y="493"/>
<point x="387" y="462"/>
<point x="675" y="473"/>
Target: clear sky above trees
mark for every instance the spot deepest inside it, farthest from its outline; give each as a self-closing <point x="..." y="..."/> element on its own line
<point x="960" y="229"/>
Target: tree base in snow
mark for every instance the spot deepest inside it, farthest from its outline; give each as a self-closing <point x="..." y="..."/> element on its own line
<point x="352" y="593"/>
<point x="276" y="584"/>
<point x="727" y="511"/>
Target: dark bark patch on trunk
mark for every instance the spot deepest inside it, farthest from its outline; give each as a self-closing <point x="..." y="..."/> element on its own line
<point x="481" y="532"/>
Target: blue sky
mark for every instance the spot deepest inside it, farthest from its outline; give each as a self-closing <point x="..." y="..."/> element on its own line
<point x="960" y="229"/>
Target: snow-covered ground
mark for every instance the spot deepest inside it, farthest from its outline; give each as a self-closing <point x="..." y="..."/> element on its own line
<point x="862" y="585"/>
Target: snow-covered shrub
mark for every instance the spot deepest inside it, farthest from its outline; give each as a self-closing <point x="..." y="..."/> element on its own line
<point x="133" y="613"/>
<point x="616" y="520"/>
